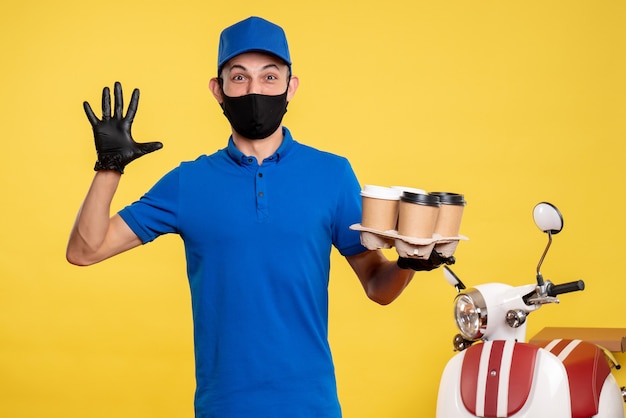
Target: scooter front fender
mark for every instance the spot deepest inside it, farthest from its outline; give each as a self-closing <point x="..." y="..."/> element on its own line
<point x="548" y="395"/>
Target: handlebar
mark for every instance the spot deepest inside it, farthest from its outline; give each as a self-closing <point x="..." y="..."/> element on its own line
<point x="557" y="289"/>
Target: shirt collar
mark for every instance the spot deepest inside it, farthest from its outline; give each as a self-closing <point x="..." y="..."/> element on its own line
<point x="280" y="153"/>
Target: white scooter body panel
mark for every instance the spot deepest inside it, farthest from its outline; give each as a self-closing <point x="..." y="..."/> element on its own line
<point x="548" y="397"/>
<point x="611" y="403"/>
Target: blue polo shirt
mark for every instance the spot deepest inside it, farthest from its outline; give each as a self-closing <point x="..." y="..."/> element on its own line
<point x="257" y="241"/>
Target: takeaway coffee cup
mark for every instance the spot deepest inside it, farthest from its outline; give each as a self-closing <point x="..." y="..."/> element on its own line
<point x="450" y="213"/>
<point x="417" y="214"/>
<point x="380" y="207"/>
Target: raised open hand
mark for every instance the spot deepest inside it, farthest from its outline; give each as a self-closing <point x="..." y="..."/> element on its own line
<point x="114" y="142"/>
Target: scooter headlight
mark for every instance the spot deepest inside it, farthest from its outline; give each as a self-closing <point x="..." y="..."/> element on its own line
<point x="470" y="313"/>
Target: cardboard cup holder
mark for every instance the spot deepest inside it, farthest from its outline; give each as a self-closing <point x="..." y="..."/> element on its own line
<point x="373" y="239"/>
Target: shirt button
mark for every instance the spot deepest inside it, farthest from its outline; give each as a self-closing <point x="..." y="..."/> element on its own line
<point x="249" y="160"/>
<point x="260" y="194"/>
<point x="260" y="174"/>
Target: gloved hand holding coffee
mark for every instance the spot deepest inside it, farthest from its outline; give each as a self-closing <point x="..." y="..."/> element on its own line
<point x="420" y="264"/>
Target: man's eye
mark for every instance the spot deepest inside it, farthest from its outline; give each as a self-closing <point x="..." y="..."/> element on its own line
<point x="238" y="77"/>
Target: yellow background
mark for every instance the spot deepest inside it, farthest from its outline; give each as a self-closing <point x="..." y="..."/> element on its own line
<point x="508" y="102"/>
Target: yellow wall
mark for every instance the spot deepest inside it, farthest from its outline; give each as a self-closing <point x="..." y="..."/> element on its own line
<point x="508" y="102"/>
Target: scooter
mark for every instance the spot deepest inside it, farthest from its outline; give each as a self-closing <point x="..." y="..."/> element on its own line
<point x="498" y="374"/>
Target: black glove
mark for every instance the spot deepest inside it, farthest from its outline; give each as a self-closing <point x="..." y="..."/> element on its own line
<point x="114" y="143"/>
<point x="420" y="264"/>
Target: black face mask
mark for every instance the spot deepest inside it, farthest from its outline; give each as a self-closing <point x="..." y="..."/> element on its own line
<point x="255" y="116"/>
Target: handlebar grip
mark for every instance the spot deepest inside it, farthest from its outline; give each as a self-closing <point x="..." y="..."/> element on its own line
<point x="557" y="289"/>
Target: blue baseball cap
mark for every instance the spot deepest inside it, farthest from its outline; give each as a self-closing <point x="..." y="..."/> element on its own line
<point x="252" y="34"/>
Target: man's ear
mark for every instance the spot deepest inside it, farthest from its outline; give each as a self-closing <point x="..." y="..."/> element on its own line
<point x="215" y="86"/>
<point x="294" y="82"/>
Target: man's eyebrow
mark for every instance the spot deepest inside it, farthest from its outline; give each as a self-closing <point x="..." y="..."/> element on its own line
<point x="272" y="65"/>
<point x="237" y="66"/>
<point x="242" y="68"/>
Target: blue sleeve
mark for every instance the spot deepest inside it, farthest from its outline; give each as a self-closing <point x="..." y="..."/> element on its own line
<point x="156" y="213"/>
<point x="347" y="241"/>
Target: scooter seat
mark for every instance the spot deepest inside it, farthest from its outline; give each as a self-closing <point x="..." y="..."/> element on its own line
<point x="587" y="369"/>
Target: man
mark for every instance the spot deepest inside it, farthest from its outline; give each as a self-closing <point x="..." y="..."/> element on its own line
<point x="258" y="220"/>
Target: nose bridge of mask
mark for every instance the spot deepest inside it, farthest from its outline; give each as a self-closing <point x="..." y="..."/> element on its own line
<point x="255" y="105"/>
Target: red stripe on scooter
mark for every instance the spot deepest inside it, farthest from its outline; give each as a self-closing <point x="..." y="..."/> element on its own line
<point x="469" y="376"/>
<point x="560" y="346"/>
<point x="521" y="377"/>
<point x="493" y="378"/>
